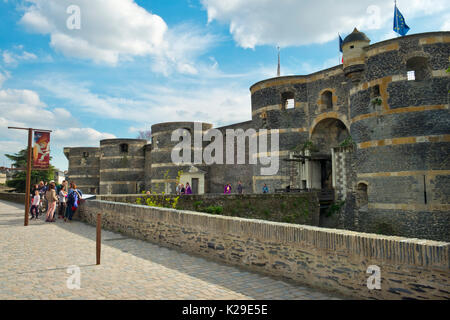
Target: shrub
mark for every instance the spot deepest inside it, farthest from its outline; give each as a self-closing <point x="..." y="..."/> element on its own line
<point x="213" y="210"/>
<point x="335" y="208"/>
<point x="197" y="204"/>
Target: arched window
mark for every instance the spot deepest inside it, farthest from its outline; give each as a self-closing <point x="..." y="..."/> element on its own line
<point x="288" y="100"/>
<point x="362" y="197"/>
<point x="124" y="148"/>
<point x="418" y="69"/>
<point x="375" y="92"/>
<point x="327" y="100"/>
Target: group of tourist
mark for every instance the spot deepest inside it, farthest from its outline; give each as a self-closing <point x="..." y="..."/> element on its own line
<point x="63" y="198"/>
<point x="227" y="188"/>
<point x="240" y="188"/>
<point x="181" y="189"/>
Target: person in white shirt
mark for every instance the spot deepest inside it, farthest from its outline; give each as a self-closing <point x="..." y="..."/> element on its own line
<point x="35" y="205"/>
<point x="62" y="202"/>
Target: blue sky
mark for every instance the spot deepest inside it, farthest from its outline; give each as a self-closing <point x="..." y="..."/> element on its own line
<point x="135" y="63"/>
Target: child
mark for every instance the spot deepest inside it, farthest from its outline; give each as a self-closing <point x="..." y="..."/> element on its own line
<point x="62" y="202"/>
<point x="34" y="205"/>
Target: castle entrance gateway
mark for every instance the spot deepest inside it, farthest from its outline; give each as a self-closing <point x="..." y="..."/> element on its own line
<point x="327" y="137"/>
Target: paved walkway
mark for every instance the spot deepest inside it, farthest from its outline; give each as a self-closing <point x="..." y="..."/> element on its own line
<point x="34" y="261"/>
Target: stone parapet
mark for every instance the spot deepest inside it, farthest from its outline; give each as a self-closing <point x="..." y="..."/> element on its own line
<point x="334" y="260"/>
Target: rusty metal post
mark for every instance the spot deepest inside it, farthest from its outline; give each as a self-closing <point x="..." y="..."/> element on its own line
<point x="99" y="237"/>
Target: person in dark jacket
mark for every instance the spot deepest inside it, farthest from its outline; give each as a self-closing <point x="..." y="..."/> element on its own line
<point x="74" y="196"/>
<point x="240" y="190"/>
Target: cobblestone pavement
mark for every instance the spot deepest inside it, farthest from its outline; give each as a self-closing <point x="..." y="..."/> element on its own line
<point x="34" y="261"/>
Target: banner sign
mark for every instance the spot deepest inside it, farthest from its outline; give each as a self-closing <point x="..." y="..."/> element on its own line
<point x="41" y="150"/>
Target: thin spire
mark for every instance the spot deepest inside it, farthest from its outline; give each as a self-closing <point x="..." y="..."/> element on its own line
<point x="279" y="68"/>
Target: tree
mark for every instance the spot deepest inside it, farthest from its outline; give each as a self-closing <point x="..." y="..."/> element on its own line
<point x="19" y="178"/>
<point x="145" y="135"/>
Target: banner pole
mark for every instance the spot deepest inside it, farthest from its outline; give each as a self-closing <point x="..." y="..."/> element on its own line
<point x="28" y="178"/>
<point x="28" y="182"/>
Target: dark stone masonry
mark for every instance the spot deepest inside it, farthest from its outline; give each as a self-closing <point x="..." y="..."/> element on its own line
<point x="371" y="136"/>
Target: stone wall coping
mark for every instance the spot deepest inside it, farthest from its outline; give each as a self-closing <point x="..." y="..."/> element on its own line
<point x="422" y="242"/>
<point x="369" y="47"/>
<point x="306" y="77"/>
<point x="411" y="36"/>
<point x="215" y="195"/>
<point x="115" y="141"/>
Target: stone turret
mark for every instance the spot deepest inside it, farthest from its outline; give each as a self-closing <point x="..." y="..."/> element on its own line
<point x="354" y="54"/>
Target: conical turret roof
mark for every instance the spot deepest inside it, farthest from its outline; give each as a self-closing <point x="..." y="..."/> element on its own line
<point x="356" y="36"/>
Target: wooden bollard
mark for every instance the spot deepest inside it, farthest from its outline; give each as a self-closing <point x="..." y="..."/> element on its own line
<point x="99" y="237"/>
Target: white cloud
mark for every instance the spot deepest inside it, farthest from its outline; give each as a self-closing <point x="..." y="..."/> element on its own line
<point x="24" y="108"/>
<point x="3" y="77"/>
<point x="300" y="22"/>
<point x="446" y="25"/>
<point x="228" y="103"/>
<point x="13" y="58"/>
<point x="310" y="67"/>
<point x="114" y="31"/>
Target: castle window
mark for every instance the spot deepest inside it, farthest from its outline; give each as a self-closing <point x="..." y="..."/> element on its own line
<point x="418" y="69"/>
<point x="327" y="100"/>
<point x="263" y="115"/>
<point x="375" y="91"/>
<point x="124" y="148"/>
<point x="362" y="198"/>
<point x="411" y="75"/>
<point x="85" y="154"/>
<point x="287" y="100"/>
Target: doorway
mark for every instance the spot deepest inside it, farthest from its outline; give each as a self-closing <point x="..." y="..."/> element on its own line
<point x="195" y="183"/>
<point x="327" y="134"/>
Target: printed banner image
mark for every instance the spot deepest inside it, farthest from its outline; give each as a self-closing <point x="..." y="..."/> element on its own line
<point x="41" y="150"/>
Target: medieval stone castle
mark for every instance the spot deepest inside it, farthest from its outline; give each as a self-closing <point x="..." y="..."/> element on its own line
<point x="374" y="132"/>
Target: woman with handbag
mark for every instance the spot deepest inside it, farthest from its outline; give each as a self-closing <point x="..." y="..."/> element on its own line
<point x="51" y="198"/>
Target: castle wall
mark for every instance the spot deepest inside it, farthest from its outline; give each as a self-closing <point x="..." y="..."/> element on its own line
<point x="400" y="131"/>
<point x="336" y="260"/>
<point x="122" y="171"/>
<point x="84" y="168"/>
<point x="148" y="166"/>
<point x="221" y="174"/>
<point x="403" y="142"/>
<point x="164" y="172"/>
<point x="296" y="125"/>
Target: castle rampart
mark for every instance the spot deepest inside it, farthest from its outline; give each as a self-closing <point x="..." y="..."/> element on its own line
<point x="373" y="131"/>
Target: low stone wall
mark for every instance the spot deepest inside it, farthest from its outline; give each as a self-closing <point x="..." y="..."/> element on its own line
<point x="298" y="208"/>
<point x="13" y="197"/>
<point x="332" y="260"/>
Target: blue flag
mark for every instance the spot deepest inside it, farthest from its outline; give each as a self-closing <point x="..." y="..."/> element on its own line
<point x="340" y="43"/>
<point x="400" y="25"/>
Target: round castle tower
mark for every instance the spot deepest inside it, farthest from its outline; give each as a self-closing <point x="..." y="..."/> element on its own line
<point x="84" y="166"/>
<point x="164" y="172"/>
<point x="392" y="99"/>
<point x="122" y="165"/>
<point x="400" y="126"/>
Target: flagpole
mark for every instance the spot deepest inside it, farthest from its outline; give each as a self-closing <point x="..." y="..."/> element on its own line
<point x="396" y="16"/>
<point x="279" y="67"/>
